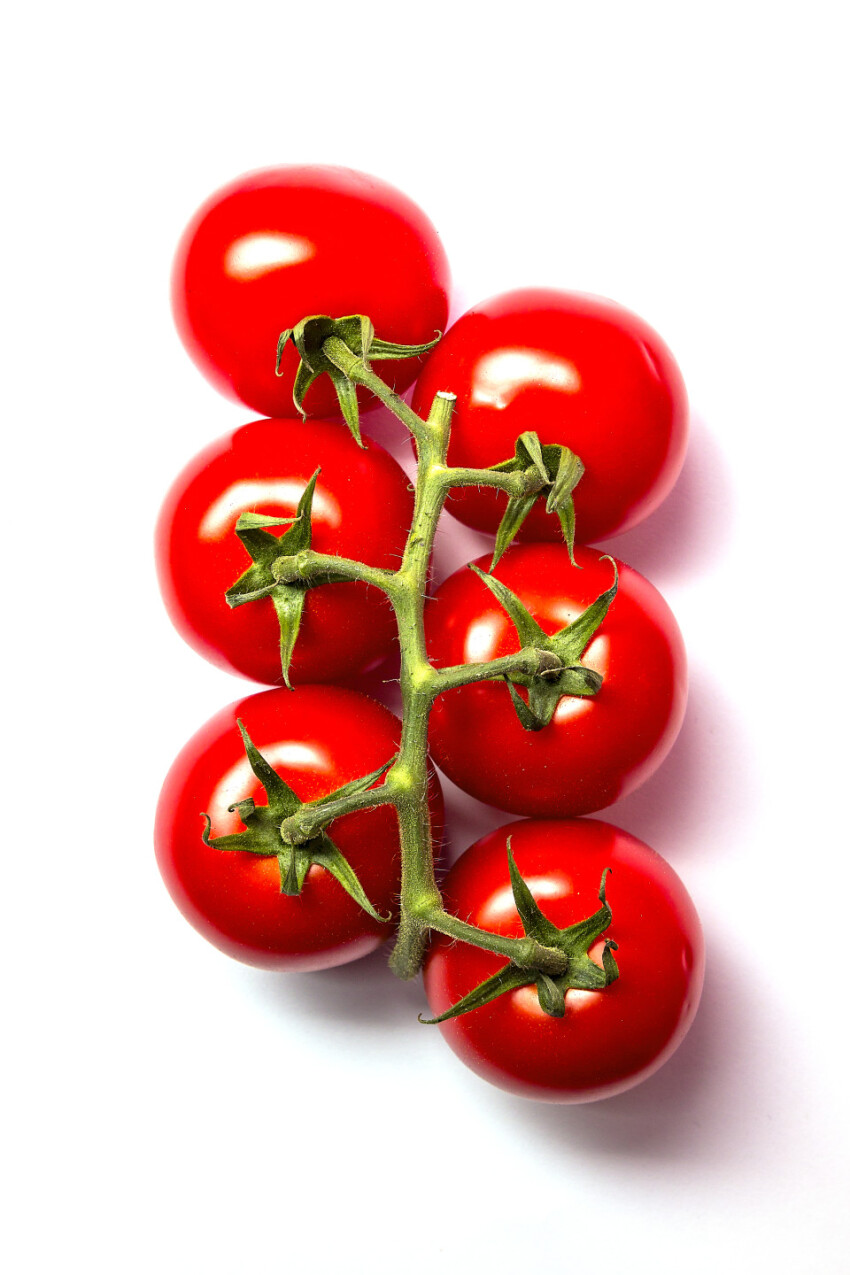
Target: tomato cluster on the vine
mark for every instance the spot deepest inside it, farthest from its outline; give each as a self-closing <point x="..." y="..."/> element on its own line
<point x="597" y="390"/>
<point x="361" y="509"/>
<point x="597" y="748"/>
<point x="607" y="1040"/>
<point x="317" y="738"/>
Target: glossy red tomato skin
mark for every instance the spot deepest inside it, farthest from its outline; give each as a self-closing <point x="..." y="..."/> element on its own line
<point x="362" y="509"/>
<point x="608" y="1040"/>
<point x="581" y="371"/>
<point x="596" y="749"/>
<point x="279" y="244"/>
<point x="317" y="738"/>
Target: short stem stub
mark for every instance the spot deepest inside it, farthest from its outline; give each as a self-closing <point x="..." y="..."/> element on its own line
<point x="357" y="371"/>
<point x="526" y="953"/>
<point x="307" y="566"/>
<point x="309" y="821"/>
<point x="529" y="662"/>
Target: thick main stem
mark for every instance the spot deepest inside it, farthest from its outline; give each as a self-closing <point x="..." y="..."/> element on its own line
<point x="420" y="897"/>
<point x="406" y="784"/>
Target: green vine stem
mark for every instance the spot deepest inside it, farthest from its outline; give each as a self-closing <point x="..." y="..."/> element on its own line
<point x="309" y="565"/>
<point x="524" y="483"/>
<point x="405" y="783"/>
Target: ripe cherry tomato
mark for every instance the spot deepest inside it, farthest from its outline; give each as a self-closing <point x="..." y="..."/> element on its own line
<point x="580" y="371"/>
<point x="608" y="1040"/>
<point x="317" y="738"/>
<point x="277" y="245"/>
<point x="362" y="507"/>
<point x="595" y="749"/>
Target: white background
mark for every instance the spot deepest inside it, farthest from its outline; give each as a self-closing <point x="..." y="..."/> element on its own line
<point x="170" y="1110"/>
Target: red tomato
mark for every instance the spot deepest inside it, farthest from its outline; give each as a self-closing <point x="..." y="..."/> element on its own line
<point x="277" y="245"/>
<point x="362" y="509"/>
<point x="594" y="750"/>
<point x="608" y="1040"/>
<point x="317" y="738"/>
<point x="579" y="370"/>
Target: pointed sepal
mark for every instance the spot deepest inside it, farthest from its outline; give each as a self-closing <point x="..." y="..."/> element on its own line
<point x="346" y="392"/>
<point x="528" y="630"/>
<point x="304" y="378"/>
<point x="570" y="642"/>
<point x="293" y="865"/>
<point x="560" y="499"/>
<point x="534" y="922"/>
<point x="282" y="801"/>
<point x="507" y="979"/>
<point x="551" y="997"/>
<point x="288" y="602"/>
<point x="557" y="471"/>
<point x="530" y="718"/>
<point x="393" y="350"/>
<point x="329" y="857"/>
<point x="585" y="933"/>
<point x="518" y="509"/>
<point x="259" y="837"/>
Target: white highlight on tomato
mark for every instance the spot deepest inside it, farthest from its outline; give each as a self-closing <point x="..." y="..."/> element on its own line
<point x="480" y="642"/>
<point x="240" y="782"/>
<point x="248" y="494"/>
<point x="500" y="376"/>
<point x="501" y="902"/>
<point x="253" y="255"/>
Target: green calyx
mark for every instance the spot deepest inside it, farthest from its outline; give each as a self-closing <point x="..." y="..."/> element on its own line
<point x="568" y="676"/>
<point x="354" y="338"/>
<point x="263" y="579"/>
<point x="263" y="834"/>
<point x="553" y="471"/>
<point x="573" y="942"/>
